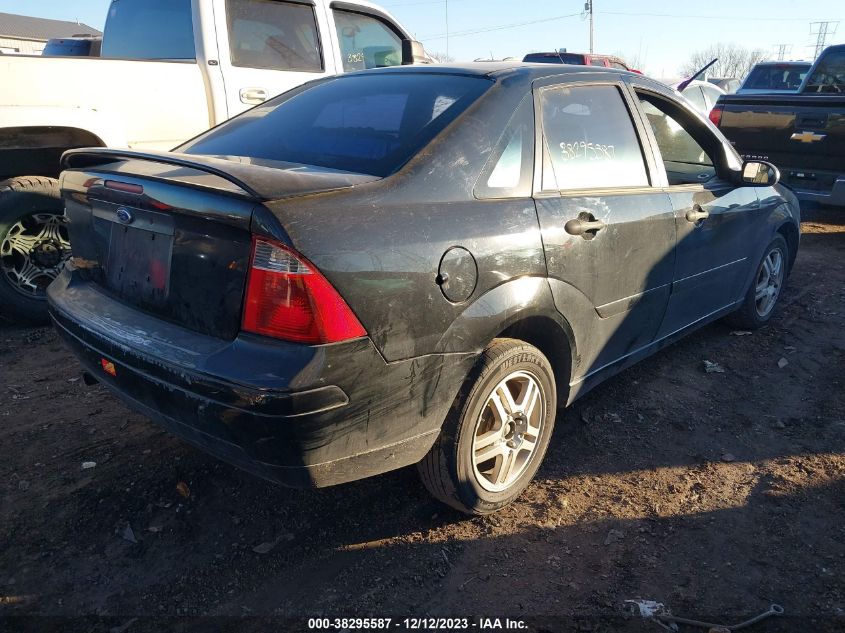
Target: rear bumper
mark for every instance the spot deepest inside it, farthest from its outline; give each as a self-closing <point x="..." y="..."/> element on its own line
<point x="297" y="415"/>
<point x="835" y="196"/>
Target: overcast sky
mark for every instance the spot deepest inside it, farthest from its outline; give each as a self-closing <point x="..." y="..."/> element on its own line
<point x="657" y="34"/>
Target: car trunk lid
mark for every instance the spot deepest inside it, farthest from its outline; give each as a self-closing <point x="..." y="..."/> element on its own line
<point x="172" y="236"/>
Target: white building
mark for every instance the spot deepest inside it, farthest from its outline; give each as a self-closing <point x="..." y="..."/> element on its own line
<point x="24" y="35"/>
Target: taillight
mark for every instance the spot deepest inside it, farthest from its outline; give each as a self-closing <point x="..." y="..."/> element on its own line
<point x="716" y="115"/>
<point x="288" y="298"/>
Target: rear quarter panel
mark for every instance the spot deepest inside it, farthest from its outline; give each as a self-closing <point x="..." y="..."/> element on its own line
<point x="386" y="266"/>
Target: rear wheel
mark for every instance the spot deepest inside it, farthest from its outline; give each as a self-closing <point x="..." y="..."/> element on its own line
<point x="497" y="431"/>
<point x="763" y="295"/>
<point x="34" y="245"/>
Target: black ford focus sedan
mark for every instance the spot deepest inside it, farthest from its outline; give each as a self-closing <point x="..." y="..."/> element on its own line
<point x="413" y="265"/>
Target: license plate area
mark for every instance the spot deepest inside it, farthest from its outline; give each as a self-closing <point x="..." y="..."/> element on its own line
<point x="139" y="255"/>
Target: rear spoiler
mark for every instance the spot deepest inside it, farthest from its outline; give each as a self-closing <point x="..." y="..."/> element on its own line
<point x="242" y="176"/>
<point x="95" y="156"/>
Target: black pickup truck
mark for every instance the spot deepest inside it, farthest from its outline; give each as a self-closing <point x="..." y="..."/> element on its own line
<point x="803" y="134"/>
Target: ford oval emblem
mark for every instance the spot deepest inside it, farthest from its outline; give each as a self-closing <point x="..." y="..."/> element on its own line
<point x="124" y="216"/>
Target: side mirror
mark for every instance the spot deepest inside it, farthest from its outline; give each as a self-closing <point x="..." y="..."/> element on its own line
<point x="413" y="52"/>
<point x="758" y="173"/>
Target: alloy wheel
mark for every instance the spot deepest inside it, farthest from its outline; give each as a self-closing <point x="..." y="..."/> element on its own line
<point x="508" y="431"/>
<point x="769" y="282"/>
<point x="33" y="252"/>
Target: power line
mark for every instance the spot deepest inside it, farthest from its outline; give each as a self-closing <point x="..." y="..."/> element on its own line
<point x="821" y="30"/>
<point x="498" y="28"/>
<point x="783" y="51"/>
<point x="703" y="17"/>
<point x="413" y="4"/>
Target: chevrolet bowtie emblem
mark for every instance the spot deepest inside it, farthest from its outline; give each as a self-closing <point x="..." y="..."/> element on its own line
<point x="808" y="137"/>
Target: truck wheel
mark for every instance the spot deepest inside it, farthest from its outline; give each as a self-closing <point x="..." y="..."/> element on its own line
<point x="497" y="432"/>
<point x="763" y="295"/>
<point x="34" y="245"/>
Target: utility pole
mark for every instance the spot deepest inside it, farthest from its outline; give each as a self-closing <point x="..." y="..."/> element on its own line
<point x="588" y="12"/>
<point x="447" y="30"/>
<point x="821" y="30"/>
<point x="783" y="51"/>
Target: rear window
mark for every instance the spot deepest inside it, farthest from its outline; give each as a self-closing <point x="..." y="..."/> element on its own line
<point x="554" y="58"/>
<point x="67" y="48"/>
<point x="780" y="77"/>
<point x="149" y="29"/>
<point x="369" y="124"/>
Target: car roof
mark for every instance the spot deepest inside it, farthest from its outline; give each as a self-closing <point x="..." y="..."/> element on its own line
<point x="496" y="70"/>
<point x="554" y="54"/>
<point x="792" y="62"/>
<point x="516" y="72"/>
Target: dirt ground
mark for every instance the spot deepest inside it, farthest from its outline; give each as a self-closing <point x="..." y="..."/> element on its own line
<point x="716" y="494"/>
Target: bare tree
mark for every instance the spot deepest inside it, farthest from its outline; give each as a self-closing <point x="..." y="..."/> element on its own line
<point x="734" y="60"/>
<point x="441" y="58"/>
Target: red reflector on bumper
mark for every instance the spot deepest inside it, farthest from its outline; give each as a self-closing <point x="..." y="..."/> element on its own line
<point x="108" y="367"/>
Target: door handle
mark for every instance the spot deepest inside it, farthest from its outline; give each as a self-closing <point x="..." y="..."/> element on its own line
<point x="253" y="96"/>
<point x="577" y="226"/>
<point x="697" y="214"/>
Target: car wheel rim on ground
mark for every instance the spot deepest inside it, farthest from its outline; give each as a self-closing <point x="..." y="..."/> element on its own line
<point x="769" y="282"/>
<point x="33" y="251"/>
<point x="508" y="430"/>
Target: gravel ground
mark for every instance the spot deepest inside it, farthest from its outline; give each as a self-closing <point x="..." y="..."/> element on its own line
<point x="716" y="494"/>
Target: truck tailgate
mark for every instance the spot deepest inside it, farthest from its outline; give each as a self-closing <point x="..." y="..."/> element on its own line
<point x="792" y="131"/>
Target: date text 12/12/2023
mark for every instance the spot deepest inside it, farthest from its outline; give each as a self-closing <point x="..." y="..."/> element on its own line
<point x="416" y="624"/>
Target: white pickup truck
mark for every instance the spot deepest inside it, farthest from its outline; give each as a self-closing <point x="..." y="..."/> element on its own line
<point x="169" y="70"/>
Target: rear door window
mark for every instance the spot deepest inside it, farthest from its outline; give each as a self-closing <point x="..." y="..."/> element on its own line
<point x="369" y="124"/>
<point x="273" y="35"/>
<point x="589" y="139"/>
<point x="149" y="29"/>
<point x="366" y="42"/>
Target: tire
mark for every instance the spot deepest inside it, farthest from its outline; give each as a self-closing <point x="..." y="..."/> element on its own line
<point x="756" y="311"/>
<point x="34" y="245"/>
<point x="451" y="471"/>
